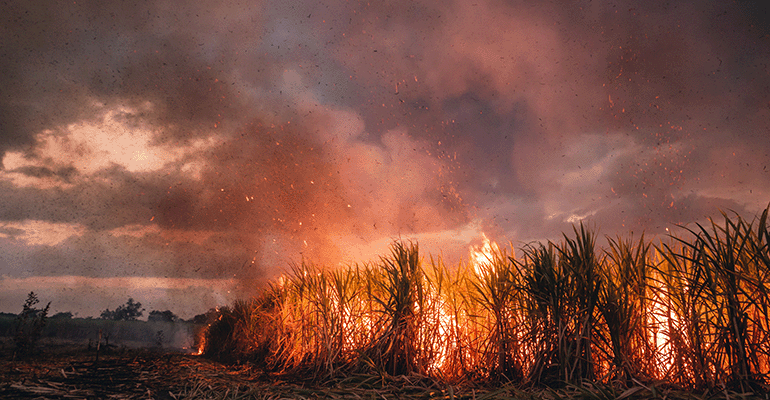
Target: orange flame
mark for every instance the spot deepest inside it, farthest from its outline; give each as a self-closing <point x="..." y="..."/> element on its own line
<point x="482" y="256"/>
<point x="661" y="319"/>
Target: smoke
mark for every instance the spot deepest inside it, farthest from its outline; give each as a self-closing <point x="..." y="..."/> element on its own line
<point x="227" y="140"/>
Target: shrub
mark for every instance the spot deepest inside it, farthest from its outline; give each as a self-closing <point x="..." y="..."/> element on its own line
<point x="29" y="325"/>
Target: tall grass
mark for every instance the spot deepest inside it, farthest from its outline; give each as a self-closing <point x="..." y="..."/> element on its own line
<point x="496" y="285"/>
<point x="691" y="311"/>
<point x="625" y="299"/>
<point x="398" y="290"/>
<point x="717" y="286"/>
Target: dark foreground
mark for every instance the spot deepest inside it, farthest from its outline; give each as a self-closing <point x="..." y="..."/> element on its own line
<point x="143" y="374"/>
<point x="129" y="375"/>
<point x="146" y="374"/>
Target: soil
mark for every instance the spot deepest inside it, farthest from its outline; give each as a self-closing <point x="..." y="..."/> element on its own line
<point x="152" y="374"/>
<point x="115" y="374"/>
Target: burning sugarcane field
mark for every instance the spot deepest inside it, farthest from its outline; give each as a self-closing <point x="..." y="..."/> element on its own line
<point x="564" y="319"/>
<point x="351" y="199"/>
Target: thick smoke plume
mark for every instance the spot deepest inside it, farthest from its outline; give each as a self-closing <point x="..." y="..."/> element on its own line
<point x="211" y="144"/>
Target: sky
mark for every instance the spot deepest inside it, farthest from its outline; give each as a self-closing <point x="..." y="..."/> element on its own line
<point x="185" y="153"/>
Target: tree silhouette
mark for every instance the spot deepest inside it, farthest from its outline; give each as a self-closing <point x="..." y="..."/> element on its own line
<point x="29" y="324"/>
<point x="127" y="312"/>
<point x="164" y="316"/>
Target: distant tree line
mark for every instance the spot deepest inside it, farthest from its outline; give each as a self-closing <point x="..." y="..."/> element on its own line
<point x="162" y="316"/>
<point x="63" y="315"/>
<point x="130" y="311"/>
<point x="133" y="310"/>
<point x="27" y="327"/>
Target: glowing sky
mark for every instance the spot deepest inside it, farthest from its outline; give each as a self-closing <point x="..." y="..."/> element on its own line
<point x="183" y="153"/>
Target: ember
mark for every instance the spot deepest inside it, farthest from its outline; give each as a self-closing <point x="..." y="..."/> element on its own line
<point x="688" y="313"/>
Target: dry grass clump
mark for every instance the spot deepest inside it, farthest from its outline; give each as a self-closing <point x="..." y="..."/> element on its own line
<point x="717" y="293"/>
<point x="688" y="312"/>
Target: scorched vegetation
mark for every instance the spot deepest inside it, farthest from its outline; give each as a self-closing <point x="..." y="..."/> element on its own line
<point x="688" y="312"/>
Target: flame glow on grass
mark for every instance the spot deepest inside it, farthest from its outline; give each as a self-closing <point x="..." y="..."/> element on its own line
<point x="661" y="321"/>
<point x="562" y="312"/>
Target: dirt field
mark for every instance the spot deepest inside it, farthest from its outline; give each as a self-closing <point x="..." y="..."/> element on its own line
<point x="146" y="374"/>
<point x="128" y="375"/>
<point x="66" y="373"/>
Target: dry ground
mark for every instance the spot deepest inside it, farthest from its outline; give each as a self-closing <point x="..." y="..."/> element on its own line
<point x="147" y="374"/>
<point x="122" y="375"/>
<point x="74" y="373"/>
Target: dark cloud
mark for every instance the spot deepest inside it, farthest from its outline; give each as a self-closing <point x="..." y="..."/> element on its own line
<point x="63" y="60"/>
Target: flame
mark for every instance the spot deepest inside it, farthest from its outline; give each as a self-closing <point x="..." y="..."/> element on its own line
<point x="481" y="256"/>
<point x="437" y="331"/>
<point x="661" y="320"/>
<point x="202" y="342"/>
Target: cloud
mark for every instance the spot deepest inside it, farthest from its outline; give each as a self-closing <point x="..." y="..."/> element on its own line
<point x="223" y="140"/>
<point x="41" y="233"/>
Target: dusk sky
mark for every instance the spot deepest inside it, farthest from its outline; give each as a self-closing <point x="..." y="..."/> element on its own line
<point x="185" y="153"/>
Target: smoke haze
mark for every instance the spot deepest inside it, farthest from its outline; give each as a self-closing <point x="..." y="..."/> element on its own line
<point x="183" y="153"/>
